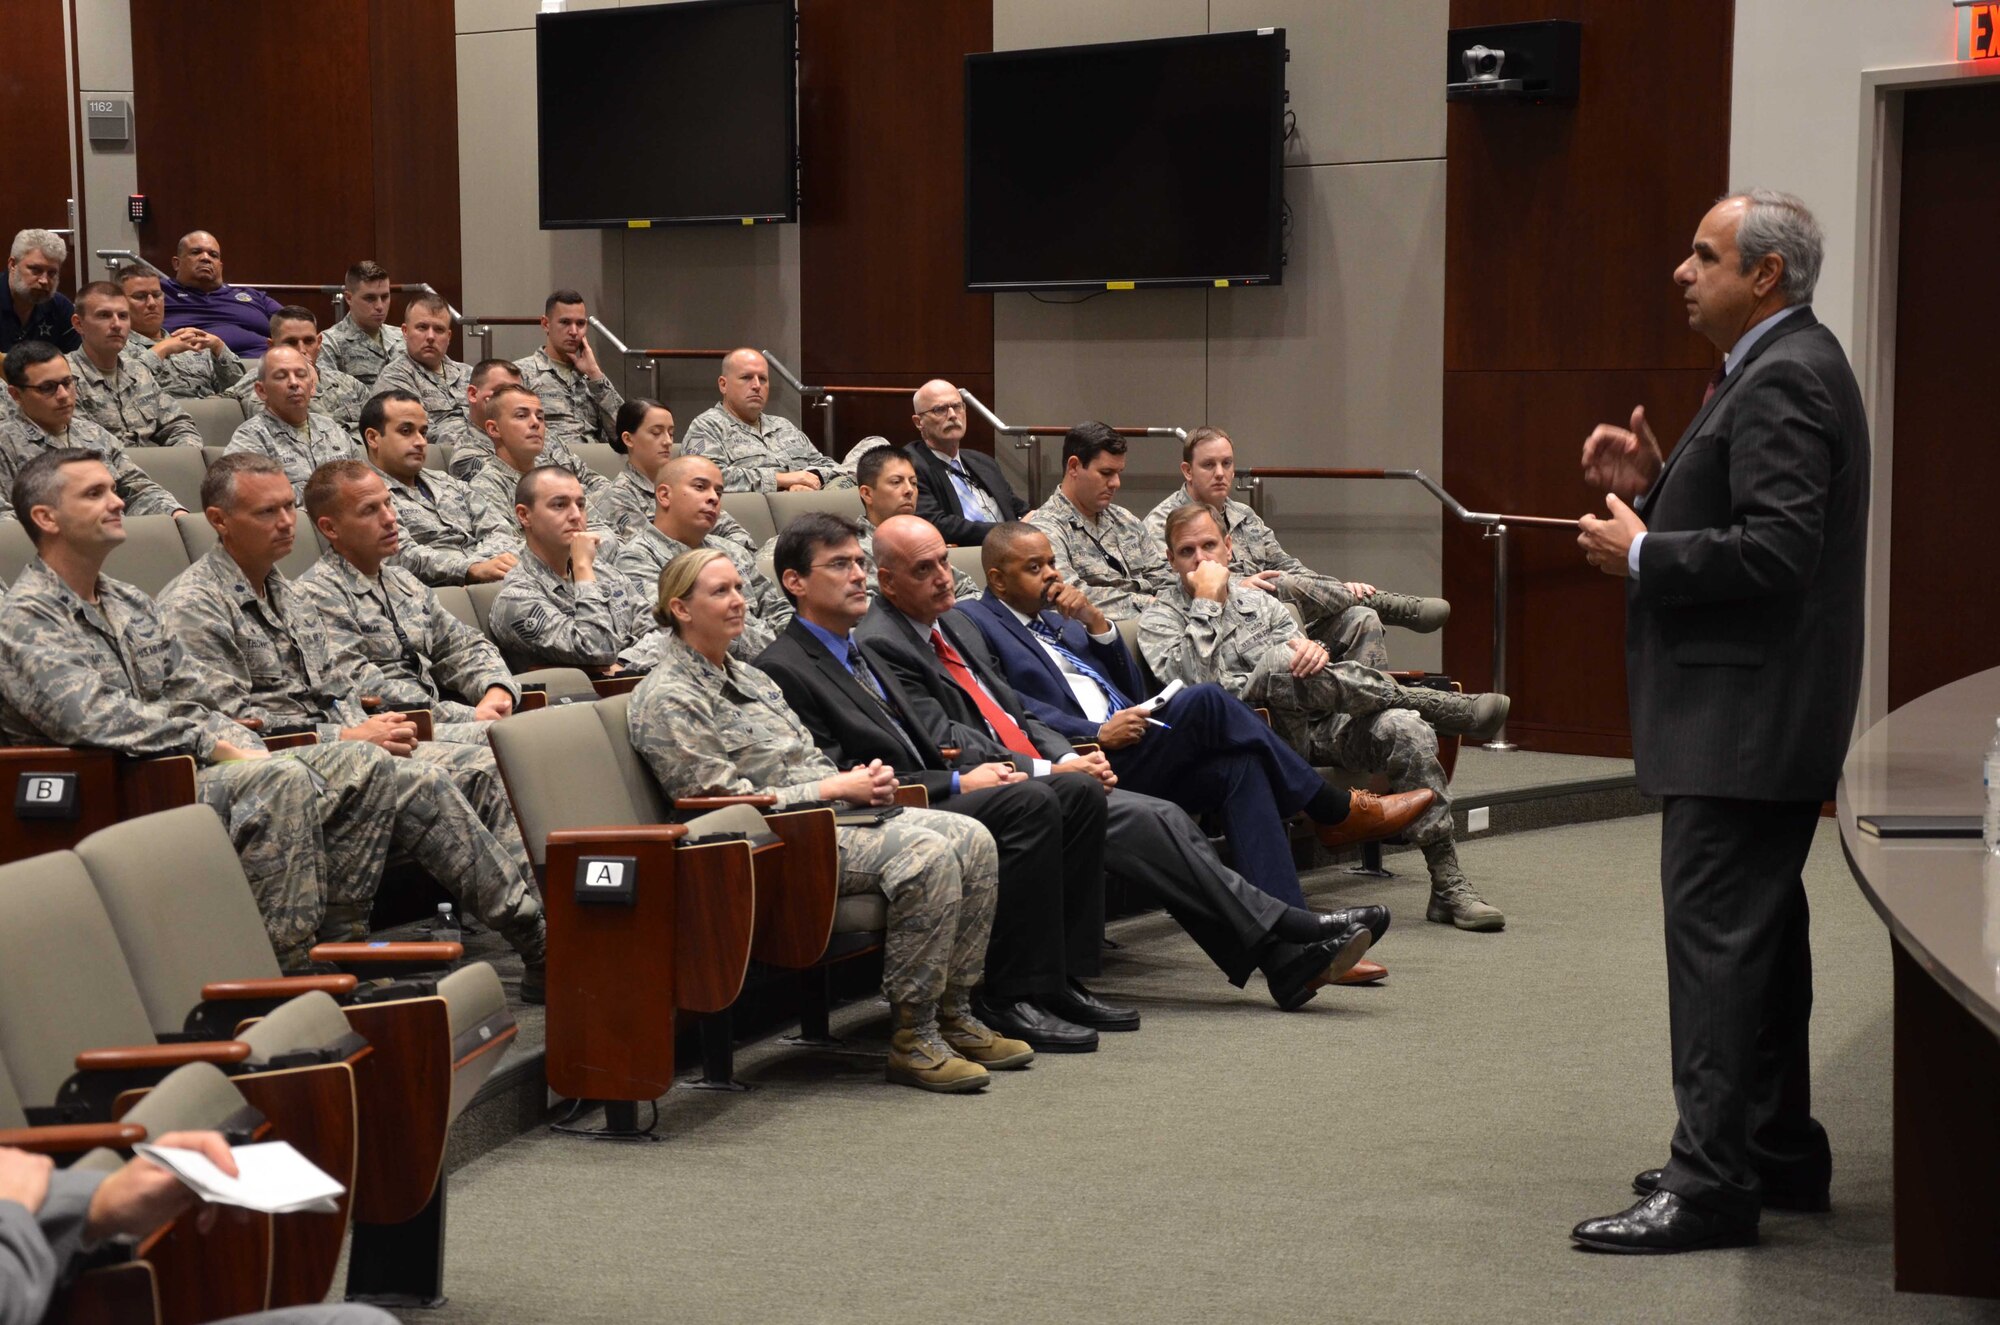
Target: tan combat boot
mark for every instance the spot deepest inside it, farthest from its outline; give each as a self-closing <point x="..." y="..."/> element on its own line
<point x="1453" y="714"/>
<point x="1453" y="901"/>
<point x="1422" y="615"/>
<point x="919" y="1056"/>
<point x="975" y="1040"/>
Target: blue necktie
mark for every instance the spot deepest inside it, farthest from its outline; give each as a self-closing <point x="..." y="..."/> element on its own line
<point x="1048" y="635"/>
<point x="866" y="676"/>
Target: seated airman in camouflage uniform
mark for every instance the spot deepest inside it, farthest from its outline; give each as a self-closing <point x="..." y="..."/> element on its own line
<point x="268" y="658"/>
<point x="581" y="401"/>
<point x="646" y="435"/>
<point x="566" y="604"/>
<point x="888" y="482"/>
<point x="119" y="394"/>
<point x="44" y="418"/>
<point x="287" y="430"/>
<point x="1101" y="547"/>
<point x="421" y="367"/>
<point x="337" y="395"/>
<point x="708" y="724"/>
<point x="513" y="424"/>
<point x="360" y="345"/>
<point x="757" y="452"/>
<point x="1210" y="627"/>
<point x="190" y="364"/>
<point x="450" y="534"/>
<point x="689" y="502"/>
<point x="1346" y="616"/>
<point x="87" y="660"/>
<point x="375" y="612"/>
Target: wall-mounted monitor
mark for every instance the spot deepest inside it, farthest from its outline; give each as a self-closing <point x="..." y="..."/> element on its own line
<point x="676" y="114"/>
<point x="1135" y="163"/>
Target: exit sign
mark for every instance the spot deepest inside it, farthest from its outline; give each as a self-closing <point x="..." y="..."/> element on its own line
<point x="1978" y="29"/>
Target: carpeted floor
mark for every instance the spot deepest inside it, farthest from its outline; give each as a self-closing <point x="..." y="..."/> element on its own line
<point x="1415" y="1152"/>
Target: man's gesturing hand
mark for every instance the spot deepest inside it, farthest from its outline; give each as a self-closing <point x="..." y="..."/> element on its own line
<point x="1624" y="461"/>
<point x="1607" y="543"/>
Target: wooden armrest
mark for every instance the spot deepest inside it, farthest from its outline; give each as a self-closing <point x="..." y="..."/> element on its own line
<point x="949" y="752"/>
<point x="371" y="702"/>
<point x="135" y="1057"/>
<point x="425" y="724"/>
<point x="363" y="954"/>
<point x="912" y="795"/>
<point x="1086" y="747"/>
<point x="284" y="986"/>
<point x="72" y="1138"/>
<point x="532" y="700"/>
<point x="146" y="786"/>
<point x="291" y="740"/>
<point x="252" y="724"/>
<point x="1411" y="675"/>
<point x="607" y="686"/>
<point x="611" y="834"/>
<point x="719" y="802"/>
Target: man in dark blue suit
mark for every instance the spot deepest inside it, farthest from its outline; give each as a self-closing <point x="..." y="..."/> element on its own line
<point x="1204" y="749"/>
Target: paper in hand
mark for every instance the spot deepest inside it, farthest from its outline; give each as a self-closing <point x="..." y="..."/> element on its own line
<point x="272" y="1177"/>
<point x="1174" y="687"/>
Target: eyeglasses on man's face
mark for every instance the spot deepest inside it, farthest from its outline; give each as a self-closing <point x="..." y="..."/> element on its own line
<point x="946" y="410"/>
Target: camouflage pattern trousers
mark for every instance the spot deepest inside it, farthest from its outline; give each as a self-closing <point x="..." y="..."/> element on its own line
<point x="1346" y="716"/>
<point x="941" y="874"/>
<point x="1330" y="615"/>
<point x="312" y="827"/>
<point x="453" y="819"/>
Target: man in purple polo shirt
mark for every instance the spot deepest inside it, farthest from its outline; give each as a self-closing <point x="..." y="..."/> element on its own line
<point x="196" y="297"/>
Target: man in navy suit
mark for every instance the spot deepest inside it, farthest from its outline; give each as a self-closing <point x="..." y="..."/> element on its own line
<point x="1742" y="554"/>
<point x="1204" y="749"/>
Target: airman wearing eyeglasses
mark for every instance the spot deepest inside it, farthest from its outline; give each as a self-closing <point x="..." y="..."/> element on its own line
<point x="44" y="393"/>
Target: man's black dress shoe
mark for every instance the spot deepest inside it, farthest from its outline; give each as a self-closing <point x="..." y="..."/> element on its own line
<point x="1296" y="983"/>
<point x="1803" y="1203"/>
<point x="1375" y="919"/>
<point x="1077" y="1004"/>
<point x="1661" y="1224"/>
<point x="1048" y="1033"/>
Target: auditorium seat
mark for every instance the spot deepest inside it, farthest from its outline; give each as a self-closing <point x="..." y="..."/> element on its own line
<point x="600" y="457"/>
<point x="482" y="596"/>
<point x="966" y="559"/>
<point x="152" y="554"/>
<point x="178" y="469"/>
<point x="788" y="506"/>
<point x="454" y="599"/>
<point x="218" y="417"/>
<point x="437" y="455"/>
<point x="753" y="512"/>
<point x="16" y="550"/>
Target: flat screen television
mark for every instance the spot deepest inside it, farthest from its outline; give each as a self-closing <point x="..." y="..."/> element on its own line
<point x="674" y="114"/>
<point x="1135" y="163"/>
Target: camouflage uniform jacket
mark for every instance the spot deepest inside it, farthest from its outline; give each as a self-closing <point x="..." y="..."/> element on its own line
<point x="1113" y="560"/>
<point x="769" y="611"/>
<point x="579" y="409"/>
<point x="493" y="483"/>
<point x="1196" y="640"/>
<point x="21" y="441"/>
<point x="423" y="652"/>
<point x="300" y="450"/>
<point x="358" y="354"/>
<point x="110" y="675"/>
<point x="708" y="730"/>
<point x="633" y="501"/>
<point x="447" y="527"/>
<point x="1252" y="544"/>
<point x="751" y="456"/>
<point x="443" y="392"/>
<point x="130" y="404"/>
<point x="553" y="621"/>
<point x="338" y="397"/>
<point x="191" y="374"/>
<point x="267" y="658"/>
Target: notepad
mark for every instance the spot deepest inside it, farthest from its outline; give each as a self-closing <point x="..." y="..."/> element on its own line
<point x="1919" y="825"/>
<point x="271" y="1177"/>
<point x="1174" y="687"/>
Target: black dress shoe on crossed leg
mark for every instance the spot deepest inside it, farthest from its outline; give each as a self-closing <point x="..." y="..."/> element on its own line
<point x="1048" y="1033"/>
<point x="1295" y="980"/>
<point x="1802" y="1203"/>
<point x="1662" y="1224"/>
<point x="1077" y="1004"/>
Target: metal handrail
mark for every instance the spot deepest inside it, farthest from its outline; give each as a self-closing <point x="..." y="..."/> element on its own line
<point x="114" y="258"/>
<point x="1495" y="524"/>
<point x="1028" y="437"/>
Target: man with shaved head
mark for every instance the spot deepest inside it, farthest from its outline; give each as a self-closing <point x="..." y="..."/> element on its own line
<point x="688" y="493"/>
<point x="336" y="394"/>
<point x="197" y="297"/>
<point x="288" y="430"/>
<point x="565" y="604"/>
<point x="756" y="451"/>
<point x="962" y="493"/>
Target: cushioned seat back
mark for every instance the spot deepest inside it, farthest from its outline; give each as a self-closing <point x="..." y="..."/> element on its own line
<point x="558" y="766"/>
<point x="178" y="469"/>
<point x="753" y="512"/>
<point x="437" y="456"/>
<point x="482" y="596"/>
<point x="309" y="1021"/>
<point x="453" y="599"/>
<point x="151" y="555"/>
<point x="173" y="887"/>
<point x="562" y="682"/>
<point x="197" y="536"/>
<point x="640" y="785"/>
<point x="788" y="506"/>
<point x="600" y="457"/>
<point x="966" y="559"/>
<point x="11" y="1112"/>
<point x="1128" y="633"/>
<point x="216" y="416"/>
<point x="64" y="986"/>
<point x="195" y="1097"/>
<point x="478" y="1009"/>
<point x="307" y="548"/>
<point x="16" y="550"/>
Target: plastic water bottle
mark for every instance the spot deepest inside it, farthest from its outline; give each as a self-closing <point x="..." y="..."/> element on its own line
<point x="1991" y="833"/>
<point x="445" y="928"/>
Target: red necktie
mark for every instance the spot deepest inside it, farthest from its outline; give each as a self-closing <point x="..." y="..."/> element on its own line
<point x="1004" y="727"/>
<point x="1721" y="372"/>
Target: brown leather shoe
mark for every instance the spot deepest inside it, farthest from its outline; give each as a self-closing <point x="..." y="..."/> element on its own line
<point x="1371" y="818"/>
<point x="1363" y="972"/>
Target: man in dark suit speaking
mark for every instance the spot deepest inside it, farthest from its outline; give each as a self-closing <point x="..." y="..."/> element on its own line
<point x="1743" y="554"/>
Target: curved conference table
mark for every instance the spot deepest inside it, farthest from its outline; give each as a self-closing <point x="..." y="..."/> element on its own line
<point x="1940" y="899"/>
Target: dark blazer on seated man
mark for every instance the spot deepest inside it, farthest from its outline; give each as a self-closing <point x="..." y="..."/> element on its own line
<point x="939" y="502"/>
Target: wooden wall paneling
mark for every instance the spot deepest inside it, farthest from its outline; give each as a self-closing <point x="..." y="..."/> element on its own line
<point x="35" y="110"/>
<point x="414" y="74"/>
<point x="1946" y="459"/>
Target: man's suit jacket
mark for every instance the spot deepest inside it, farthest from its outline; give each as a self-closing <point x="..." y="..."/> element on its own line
<point x="846" y="721"/>
<point x="896" y="640"/>
<point x="937" y="499"/>
<point x="1042" y="686"/>
<point x="1743" y="633"/>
